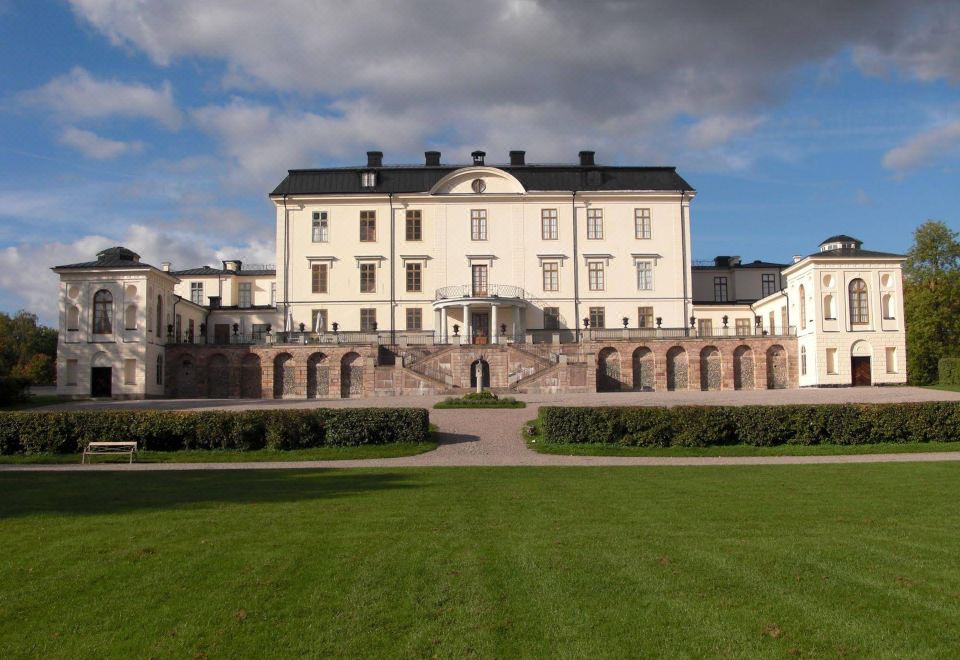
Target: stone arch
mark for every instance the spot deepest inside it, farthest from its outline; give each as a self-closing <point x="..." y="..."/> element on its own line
<point x="218" y="376"/>
<point x="351" y="375"/>
<point x="318" y="376"/>
<point x="743" y="368"/>
<point x="186" y="378"/>
<point x="284" y="377"/>
<point x="608" y="370"/>
<point x="73" y="317"/>
<point x="777" y="376"/>
<point x="677" y="372"/>
<point x="644" y="370"/>
<point x="130" y="317"/>
<point x="251" y="377"/>
<point x="711" y="369"/>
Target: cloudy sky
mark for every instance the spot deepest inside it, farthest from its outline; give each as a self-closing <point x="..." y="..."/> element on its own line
<point x="163" y="124"/>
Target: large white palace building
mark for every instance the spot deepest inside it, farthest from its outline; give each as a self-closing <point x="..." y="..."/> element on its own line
<point x="398" y="279"/>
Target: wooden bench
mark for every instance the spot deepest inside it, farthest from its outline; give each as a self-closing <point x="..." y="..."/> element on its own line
<point x="94" y="448"/>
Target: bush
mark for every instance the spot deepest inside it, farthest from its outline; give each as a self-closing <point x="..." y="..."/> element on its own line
<point x="707" y="426"/>
<point x="480" y="400"/>
<point x="68" y="432"/>
<point x="13" y="390"/>
<point x="949" y="371"/>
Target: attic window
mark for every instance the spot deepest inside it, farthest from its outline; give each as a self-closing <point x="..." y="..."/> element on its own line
<point x="368" y="179"/>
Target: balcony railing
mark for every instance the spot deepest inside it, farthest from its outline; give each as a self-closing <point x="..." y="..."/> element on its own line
<point x="489" y="291"/>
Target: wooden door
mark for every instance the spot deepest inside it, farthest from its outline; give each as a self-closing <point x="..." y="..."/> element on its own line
<point x="221" y="333"/>
<point x="860" y="367"/>
<point x="480" y="323"/>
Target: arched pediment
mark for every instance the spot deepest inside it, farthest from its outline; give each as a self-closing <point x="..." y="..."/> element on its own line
<point x="460" y="182"/>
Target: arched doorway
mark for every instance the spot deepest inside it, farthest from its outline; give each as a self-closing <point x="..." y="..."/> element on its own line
<point x="318" y="376"/>
<point x="284" y="377"/>
<point x="484" y="373"/>
<point x="777" y="375"/>
<point x="218" y="377"/>
<point x="251" y="377"/>
<point x="860" y="369"/>
<point x="351" y="375"/>
<point x="711" y="369"/>
<point x="608" y="370"/>
<point x="186" y="379"/>
<point x="677" y="369"/>
<point x="644" y="370"/>
<point x="743" y="378"/>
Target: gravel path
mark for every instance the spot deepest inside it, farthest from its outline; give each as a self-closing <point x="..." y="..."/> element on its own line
<point x="492" y="437"/>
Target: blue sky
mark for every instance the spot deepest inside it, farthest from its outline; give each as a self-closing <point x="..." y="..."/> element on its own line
<point x="163" y="125"/>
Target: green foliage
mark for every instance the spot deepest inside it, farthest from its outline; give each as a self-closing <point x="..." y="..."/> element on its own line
<point x="27" y="349"/>
<point x="13" y="390"/>
<point x="479" y="400"/>
<point x="68" y="432"/>
<point x="761" y="426"/>
<point x="949" y="371"/>
<point x="932" y="300"/>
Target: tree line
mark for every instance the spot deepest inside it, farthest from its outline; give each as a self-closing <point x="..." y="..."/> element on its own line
<point x="27" y="349"/>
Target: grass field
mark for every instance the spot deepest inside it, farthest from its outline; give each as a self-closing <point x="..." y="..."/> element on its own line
<point x="945" y="388"/>
<point x="580" y="562"/>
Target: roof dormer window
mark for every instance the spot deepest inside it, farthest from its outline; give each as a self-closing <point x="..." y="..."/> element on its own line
<point x="368" y="179"/>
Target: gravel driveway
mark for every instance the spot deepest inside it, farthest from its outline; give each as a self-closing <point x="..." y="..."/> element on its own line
<point x="492" y="437"/>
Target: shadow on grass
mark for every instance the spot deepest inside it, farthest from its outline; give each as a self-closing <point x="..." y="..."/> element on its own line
<point x="79" y="493"/>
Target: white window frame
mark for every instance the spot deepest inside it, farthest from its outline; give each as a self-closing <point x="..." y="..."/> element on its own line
<point x="549" y="225"/>
<point x="553" y="269"/>
<point x="320" y="232"/>
<point x="478" y="224"/>
<point x="642" y="227"/>
<point x="595" y="224"/>
<point x="196" y="293"/>
<point x="644" y="276"/>
<point x="245" y="288"/>
<point x="599" y="283"/>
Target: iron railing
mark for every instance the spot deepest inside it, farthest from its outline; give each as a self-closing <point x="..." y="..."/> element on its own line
<point x="489" y="291"/>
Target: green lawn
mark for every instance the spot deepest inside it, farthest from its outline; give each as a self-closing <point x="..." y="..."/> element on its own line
<point x="484" y="562"/>
<point x="235" y="456"/>
<point x="538" y="445"/>
<point x="945" y="388"/>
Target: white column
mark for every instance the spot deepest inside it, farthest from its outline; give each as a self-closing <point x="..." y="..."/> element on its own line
<point x="494" y="329"/>
<point x="517" y="330"/>
<point x="442" y="330"/>
<point x="466" y="324"/>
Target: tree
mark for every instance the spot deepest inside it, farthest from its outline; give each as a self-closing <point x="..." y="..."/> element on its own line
<point x="27" y="349"/>
<point x="931" y="300"/>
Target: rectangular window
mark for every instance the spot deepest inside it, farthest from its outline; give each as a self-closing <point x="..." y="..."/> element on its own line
<point x="368" y="226"/>
<point x="551" y="318"/>
<point x="245" y="294"/>
<point x="129" y="372"/>
<point x="368" y="179"/>
<point x="318" y="320"/>
<point x="551" y="276"/>
<point x="414" y="226"/>
<point x="641" y="223"/>
<point x="72" y="369"/>
<point x="768" y="284"/>
<point x="414" y="318"/>
<point x="595" y="224"/>
<point x="368" y="278"/>
<point x="413" y="277"/>
<point x="598" y="317"/>
<point x="196" y="293"/>
<point x="318" y="275"/>
<point x="478" y="225"/>
<point x="548" y="225"/>
<point x="743" y="327"/>
<point x="479" y="280"/>
<point x="321" y="227"/>
<point x="644" y="317"/>
<point x="273" y="294"/>
<point x="891" y="360"/>
<point x="259" y="331"/>
<point x="645" y="275"/>
<point x="705" y="327"/>
<point x="368" y="320"/>
<point x="831" y="361"/>
<point x="719" y="289"/>
<point x="595" y="275"/>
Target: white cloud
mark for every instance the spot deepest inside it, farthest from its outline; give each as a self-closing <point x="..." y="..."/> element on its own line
<point x="717" y="130"/>
<point x="94" y="146"/>
<point x="79" y="95"/>
<point x="924" y="148"/>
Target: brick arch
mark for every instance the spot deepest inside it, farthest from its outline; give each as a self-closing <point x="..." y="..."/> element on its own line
<point x="678" y="369"/>
<point x="608" y="370"/>
<point x="777" y="368"/>
<point x="218" y="376"/>
<point x="251" y="377"/>
<point x="351" y="375"/>
<point x="284" y="376"/>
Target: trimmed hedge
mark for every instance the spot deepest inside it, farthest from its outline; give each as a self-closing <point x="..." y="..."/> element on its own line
<point x="479" y="400"/>
<point x="949" y="371"/>
<point x="14" y="390"/>
<point x="68" y="432"/>
<point x="705" y="426"/>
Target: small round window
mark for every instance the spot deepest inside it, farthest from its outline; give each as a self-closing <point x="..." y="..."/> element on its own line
<point x="479" y="185"/>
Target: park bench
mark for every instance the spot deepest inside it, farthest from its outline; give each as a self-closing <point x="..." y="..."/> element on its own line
<point x="94" y="448"/>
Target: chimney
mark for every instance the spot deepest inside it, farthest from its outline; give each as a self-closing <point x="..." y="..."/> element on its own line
<point x="233" y="265"/>
<point x="478" y="157"/>
<point x="797" y="258"/>
<point x="431" y="158"/>
<point x="374" y="159"/>
<point x="214" y="302"/>
<point x="165" y="266"/>
<point x="586" y="159"/>
<point x="517" y="158"/>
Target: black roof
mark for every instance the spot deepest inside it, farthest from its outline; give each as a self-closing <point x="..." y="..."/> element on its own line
<point x="421" y="178"/>
<point x="114" y="257"/>
<point x="842" y="238"/>
<point x="847" y="253"/>
<point x="207" y="270"/>
<point x="751" y="264"/>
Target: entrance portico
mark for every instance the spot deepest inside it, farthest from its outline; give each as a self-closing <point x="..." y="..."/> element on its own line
<point x="490" y="317"/>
